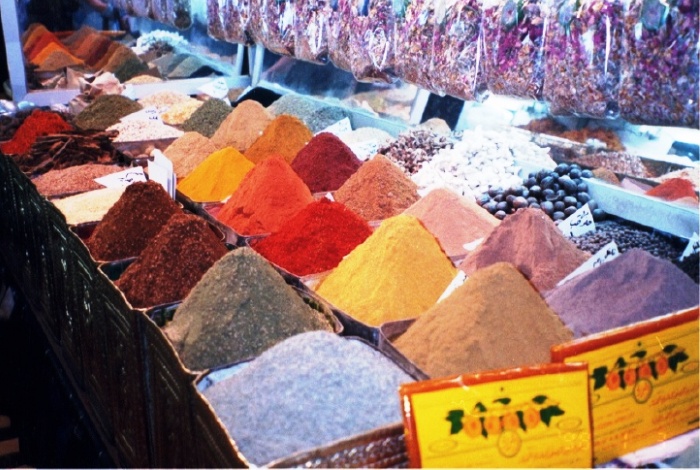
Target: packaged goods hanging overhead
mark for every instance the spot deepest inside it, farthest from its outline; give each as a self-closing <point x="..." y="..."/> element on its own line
<point x="278" y="26"/>
<point x="660" y="68"/>
<point x="514" y="45"/>
<point x="457" y="49"/>
<point x="311" y="30"/>
<point x="415" y="29"/>
<point x="583" y="57"/>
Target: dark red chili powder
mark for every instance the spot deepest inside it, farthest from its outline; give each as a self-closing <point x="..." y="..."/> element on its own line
<point x="174" y="261"/>
<point x="316" y="239"/>
<point x="325" y="163"/>
<point x="132" y="222"/>
<point x="673" y="189"/>
<point x="36" y="124"/>
<point x="269" y="195"/>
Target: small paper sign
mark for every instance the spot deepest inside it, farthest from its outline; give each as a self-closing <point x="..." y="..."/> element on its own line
<point x="471" y="246"/>
<point x="605" y="254"/>
<point x="693" y="246"/>
<point x="339" y="127"/>
<point x="643" y="382"/>
<point x="122" y="178"/>
<point x="458" y="280"/>
<point x="527" y="417"/>
<point x="216" y="89"/>
<point x="146" y="114"/>
<point x="579" y="223"/>
<point x="161" y="171"/>
<point x="365" y="150"/>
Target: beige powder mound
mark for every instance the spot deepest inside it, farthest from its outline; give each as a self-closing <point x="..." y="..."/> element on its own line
<point x="479" y="327"/>
<point x="243" y="126"/>
<point x="181" y="112"/>
<point x="88" y="207"/>
<point x="453" y="219"/>
<point x="188" y="151"/>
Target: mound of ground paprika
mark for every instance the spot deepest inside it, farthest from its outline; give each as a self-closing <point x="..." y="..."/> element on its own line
<point x="325" y="163"/>
<point x="316" y="239"/>
<point x="35" y="125"/>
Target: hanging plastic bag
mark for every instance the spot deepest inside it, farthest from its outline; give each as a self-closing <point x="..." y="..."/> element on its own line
<point x="415" y="30"/>
<point x="340" y="27"/>
<point x="311" y="28"/>
<point x="583" y="58"/>
<point x="514" y="46"/>
<point x="660" y="72"/>
<point x="236" y="20"/>
<point x="215" y="19"/>
<point x="372" y="42"/>
<point x="278" y="26"/>
<point x="255" y="21"/>
<point x="457" y="49"/>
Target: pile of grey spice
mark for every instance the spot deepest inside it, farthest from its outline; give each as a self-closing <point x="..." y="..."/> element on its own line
<point x="309" y="390"/>
<point x="239" y="309"/>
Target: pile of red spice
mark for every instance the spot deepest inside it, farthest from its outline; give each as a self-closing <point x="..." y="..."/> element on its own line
<point x="37" y="124"/>
<point x="269" y="195"/>
<point x="132" y="222"/>
<point x="325" y="163"/>
<point x="674" y="189"/>
<point x="316" y="239"/>
<point x="173" y="263"/>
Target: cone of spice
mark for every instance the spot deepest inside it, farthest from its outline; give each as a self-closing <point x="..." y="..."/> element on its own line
<point x="269" y="195"/>
<point x="285" y="136"/>
<point x="675" y="189"/>
<point x="37" y="124"/>
<point x="105" y="111"/>
<point x="73" y="180"/>
<point x="325" y="163"/>
<point x="399" y="272"/>
<point x="217" y="177"/>
<point x="239" y="309"/>
<point x="531" y="242"/>
<point x="243" y="126"/>
<point x="480" y="326"/>
<point x="188" y="151"/>
<point x="316" y="239"/>
<point x="172" y="264"/>
<point x="132" y="222"/>
<point x="633" y="287"/>
<point x="208" y="117"/>
<point x="454" y="220"/>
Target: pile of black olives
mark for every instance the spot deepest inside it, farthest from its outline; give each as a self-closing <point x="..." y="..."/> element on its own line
<point x="559" y="193"/>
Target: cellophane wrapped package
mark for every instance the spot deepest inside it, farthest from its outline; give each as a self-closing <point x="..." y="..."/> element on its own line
<point x="311" y="30"/>
<point x="583" y="57"/>
<point x="660" y="70"/>
<point x="514" y="46"/>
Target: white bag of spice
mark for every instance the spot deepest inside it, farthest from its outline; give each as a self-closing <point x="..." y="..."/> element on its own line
<point x="457" y="49"/>
<point x="514" y="36"/>
<point x="415" y="30"/>
<point x="583" y="57"/>
<point x="311" y="28"/>
<point x="660" y="70"/>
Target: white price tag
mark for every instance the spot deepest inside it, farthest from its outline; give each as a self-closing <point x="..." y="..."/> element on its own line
<point x="330" y="197"/>
<point x="161" y="171"/>
<point x="458" y="280"/>
<point x="122" y="178"/>
<point x="579" y="223"/>
<point x="471" y="246"/>
<point x="146" y="114"/>
<point x="365" y="150"/>
<point x="605" y="254"/>
<point x="216" y="89"/>
<point x="339" y="127"/>
<point x="693" y="246"/>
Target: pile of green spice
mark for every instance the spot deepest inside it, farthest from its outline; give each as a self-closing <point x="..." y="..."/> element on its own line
<point x="208" y="117"/>
<point x="240" y="308"/>
<point x="105" y="111"/>
<point x="306" y="392"/>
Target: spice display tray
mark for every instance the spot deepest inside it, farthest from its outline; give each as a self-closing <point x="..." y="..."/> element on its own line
<point x="389" y="332"/>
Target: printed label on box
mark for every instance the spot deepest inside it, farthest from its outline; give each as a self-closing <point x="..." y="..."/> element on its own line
<point x="643" y="382"/>
<point x="531" y="416"/>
